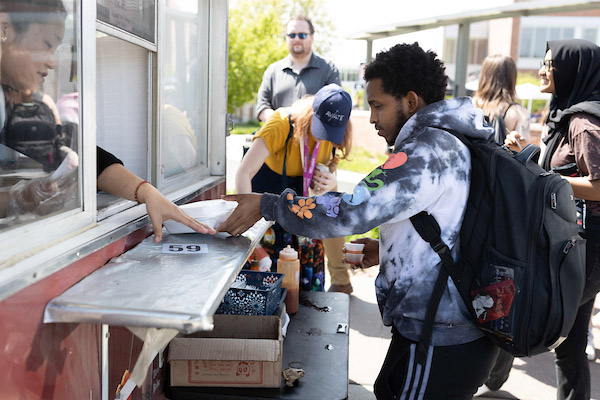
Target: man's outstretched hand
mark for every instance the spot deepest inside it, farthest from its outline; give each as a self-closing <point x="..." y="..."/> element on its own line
<point x="244" y="216"/>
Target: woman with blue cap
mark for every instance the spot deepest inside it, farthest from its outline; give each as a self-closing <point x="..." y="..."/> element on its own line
<point x="297" y="148"/>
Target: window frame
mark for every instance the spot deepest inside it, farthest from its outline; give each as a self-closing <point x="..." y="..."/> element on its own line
<point x="34" y="251"/>
<point x="27" y="237"/>
<point x="192" y="175"/>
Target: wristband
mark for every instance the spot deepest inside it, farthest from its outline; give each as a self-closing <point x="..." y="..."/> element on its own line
<point x="135" y="195"/>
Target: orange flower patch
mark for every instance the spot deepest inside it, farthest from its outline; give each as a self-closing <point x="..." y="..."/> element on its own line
<point x="302" y="209"/>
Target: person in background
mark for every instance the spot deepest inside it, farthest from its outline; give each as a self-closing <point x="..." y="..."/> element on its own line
<point x="429" y="169"/>
<point x="496" y="93"/>
<point x="496" y="97"/>
<point x="302" y="73"/>
<point x="296" y="148"/>
<point x="30" y="32"/>
<point x="570" y="71"/>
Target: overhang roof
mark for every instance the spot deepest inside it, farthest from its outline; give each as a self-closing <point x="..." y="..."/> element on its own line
<point x="512" y="10"/>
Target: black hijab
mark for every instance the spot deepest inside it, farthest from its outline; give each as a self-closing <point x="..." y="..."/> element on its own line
<point x="576" y="72"/>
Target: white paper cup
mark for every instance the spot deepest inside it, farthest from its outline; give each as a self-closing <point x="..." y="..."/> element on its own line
<point x="354" y="258"/>
<point x="322" y="167"/>
<point x="354" y="248"/>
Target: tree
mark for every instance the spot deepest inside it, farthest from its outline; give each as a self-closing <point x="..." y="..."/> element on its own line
<point x="257" y="39"/>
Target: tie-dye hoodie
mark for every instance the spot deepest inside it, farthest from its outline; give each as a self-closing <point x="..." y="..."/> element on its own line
<point x="428" y="170"/>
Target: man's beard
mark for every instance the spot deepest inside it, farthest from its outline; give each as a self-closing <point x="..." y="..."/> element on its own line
<point x="298" y="51"/>
<point x="401" y="119"/>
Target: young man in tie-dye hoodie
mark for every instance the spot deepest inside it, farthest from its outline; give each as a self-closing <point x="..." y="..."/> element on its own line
<point x="429" y="170"/>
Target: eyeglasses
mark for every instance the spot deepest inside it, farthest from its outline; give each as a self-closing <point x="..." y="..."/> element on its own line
<point x="546" y="64"/>
<point x="300" y="35"/>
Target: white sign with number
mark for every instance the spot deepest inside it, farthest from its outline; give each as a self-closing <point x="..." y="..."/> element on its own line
<point x="172" y="248"/>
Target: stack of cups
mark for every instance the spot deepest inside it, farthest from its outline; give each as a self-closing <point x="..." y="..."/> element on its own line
<point x="354" y="252"/>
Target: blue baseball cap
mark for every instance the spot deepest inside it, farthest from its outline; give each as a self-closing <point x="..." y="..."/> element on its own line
<point x="332" y="106"/>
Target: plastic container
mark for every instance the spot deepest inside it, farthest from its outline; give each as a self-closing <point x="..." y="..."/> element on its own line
<point x="208" y="212"/>
<point x="262" y="298"/>
<point x="289" y="265"/>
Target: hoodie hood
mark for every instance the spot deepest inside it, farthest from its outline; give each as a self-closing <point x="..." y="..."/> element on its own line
<point x="457" y="114"/>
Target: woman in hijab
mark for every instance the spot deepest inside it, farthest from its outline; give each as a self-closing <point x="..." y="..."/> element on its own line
<point x="571" y="73"/>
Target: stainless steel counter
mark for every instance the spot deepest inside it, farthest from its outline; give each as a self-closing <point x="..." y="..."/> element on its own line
<point x="146" y="287"/>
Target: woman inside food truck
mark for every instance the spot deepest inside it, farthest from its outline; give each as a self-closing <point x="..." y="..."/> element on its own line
<point x="37" y="154"/>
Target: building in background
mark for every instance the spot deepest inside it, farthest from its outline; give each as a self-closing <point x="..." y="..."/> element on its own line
<point x="516" y="28"/>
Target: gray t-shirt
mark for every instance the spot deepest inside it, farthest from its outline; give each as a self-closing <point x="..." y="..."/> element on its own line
<point x="281" y="86"/>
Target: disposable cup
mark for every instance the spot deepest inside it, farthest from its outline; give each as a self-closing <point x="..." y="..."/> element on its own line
<point x="354" y="248"/>
<point x="354" y="258"/>
<point x="322" y="167"/>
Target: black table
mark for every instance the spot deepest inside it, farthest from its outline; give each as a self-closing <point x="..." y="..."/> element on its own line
<point x="316" y="341"/>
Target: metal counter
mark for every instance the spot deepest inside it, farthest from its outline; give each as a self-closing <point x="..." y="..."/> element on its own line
<point x="146" y="287"/>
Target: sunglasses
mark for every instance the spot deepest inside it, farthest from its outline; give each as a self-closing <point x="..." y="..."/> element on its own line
<point x="300" y="35"/>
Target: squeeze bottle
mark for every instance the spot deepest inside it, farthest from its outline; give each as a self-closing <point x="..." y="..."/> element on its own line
<point x="289" y="265"/>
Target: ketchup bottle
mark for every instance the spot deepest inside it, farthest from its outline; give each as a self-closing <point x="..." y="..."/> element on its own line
<point x="289" y="265"/>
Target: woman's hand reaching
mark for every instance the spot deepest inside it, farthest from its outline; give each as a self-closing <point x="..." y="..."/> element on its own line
<point x="160" y="209"/>
<point x="514" y="141"/>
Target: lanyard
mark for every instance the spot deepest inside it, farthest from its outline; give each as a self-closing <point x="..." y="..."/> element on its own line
<point x="309" y="168"/>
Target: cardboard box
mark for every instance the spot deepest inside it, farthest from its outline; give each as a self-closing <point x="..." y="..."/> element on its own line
<point x="241" y="351"/>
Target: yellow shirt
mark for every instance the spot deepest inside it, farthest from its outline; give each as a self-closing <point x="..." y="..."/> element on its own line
<point x="275" y="131"/>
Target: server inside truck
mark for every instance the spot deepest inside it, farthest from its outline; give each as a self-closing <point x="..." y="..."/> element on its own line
<point x="39" y="153"/>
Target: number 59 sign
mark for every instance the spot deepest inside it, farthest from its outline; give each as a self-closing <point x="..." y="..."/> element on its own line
<point x="171" y="248"/>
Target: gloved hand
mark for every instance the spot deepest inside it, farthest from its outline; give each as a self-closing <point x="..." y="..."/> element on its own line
<point x="45" y="195"/>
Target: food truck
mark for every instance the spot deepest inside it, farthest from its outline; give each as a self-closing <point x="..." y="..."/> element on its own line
<point x="90" y="304"/>
<point x="147" y="81"/>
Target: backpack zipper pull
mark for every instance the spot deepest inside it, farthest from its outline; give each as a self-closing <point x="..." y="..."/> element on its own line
<point x="568" y="246"/>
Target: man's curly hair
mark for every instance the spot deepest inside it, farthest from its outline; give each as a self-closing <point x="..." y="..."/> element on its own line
<point x="407" y="67"/>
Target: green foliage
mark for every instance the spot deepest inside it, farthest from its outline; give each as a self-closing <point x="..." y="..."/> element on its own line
<point x="373" y="233"/>
<point x="362" y="160"/>
<point x="257" y="39"/>
<point x="254" y="43"/>
<point x="528" y="77"/>
<point x="245" y="129"/>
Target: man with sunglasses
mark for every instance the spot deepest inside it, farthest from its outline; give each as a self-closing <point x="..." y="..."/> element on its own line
<point x="300" y="73"/>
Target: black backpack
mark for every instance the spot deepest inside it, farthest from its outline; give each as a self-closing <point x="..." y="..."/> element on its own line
<point x="497" y="122"/>
<point x="31" y="129"/>
<point x="521" y="271"/>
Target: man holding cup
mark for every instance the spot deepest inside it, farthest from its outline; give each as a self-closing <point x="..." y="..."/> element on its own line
<point x="428" y="170"/>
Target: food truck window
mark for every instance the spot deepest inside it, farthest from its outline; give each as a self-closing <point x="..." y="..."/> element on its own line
<point x="135" y="17"/>
<point x="152" y="100"/>
<point x="183" y="56"/>
<point x="122" y="105"/>
<point x="40" y="178"/>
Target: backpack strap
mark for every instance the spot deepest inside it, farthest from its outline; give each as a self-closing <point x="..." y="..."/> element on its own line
<point x="508" y="108"/>
<point x="283" y="172"/>
<point x="529" y="153"/>
<point x="429" y="230"/>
